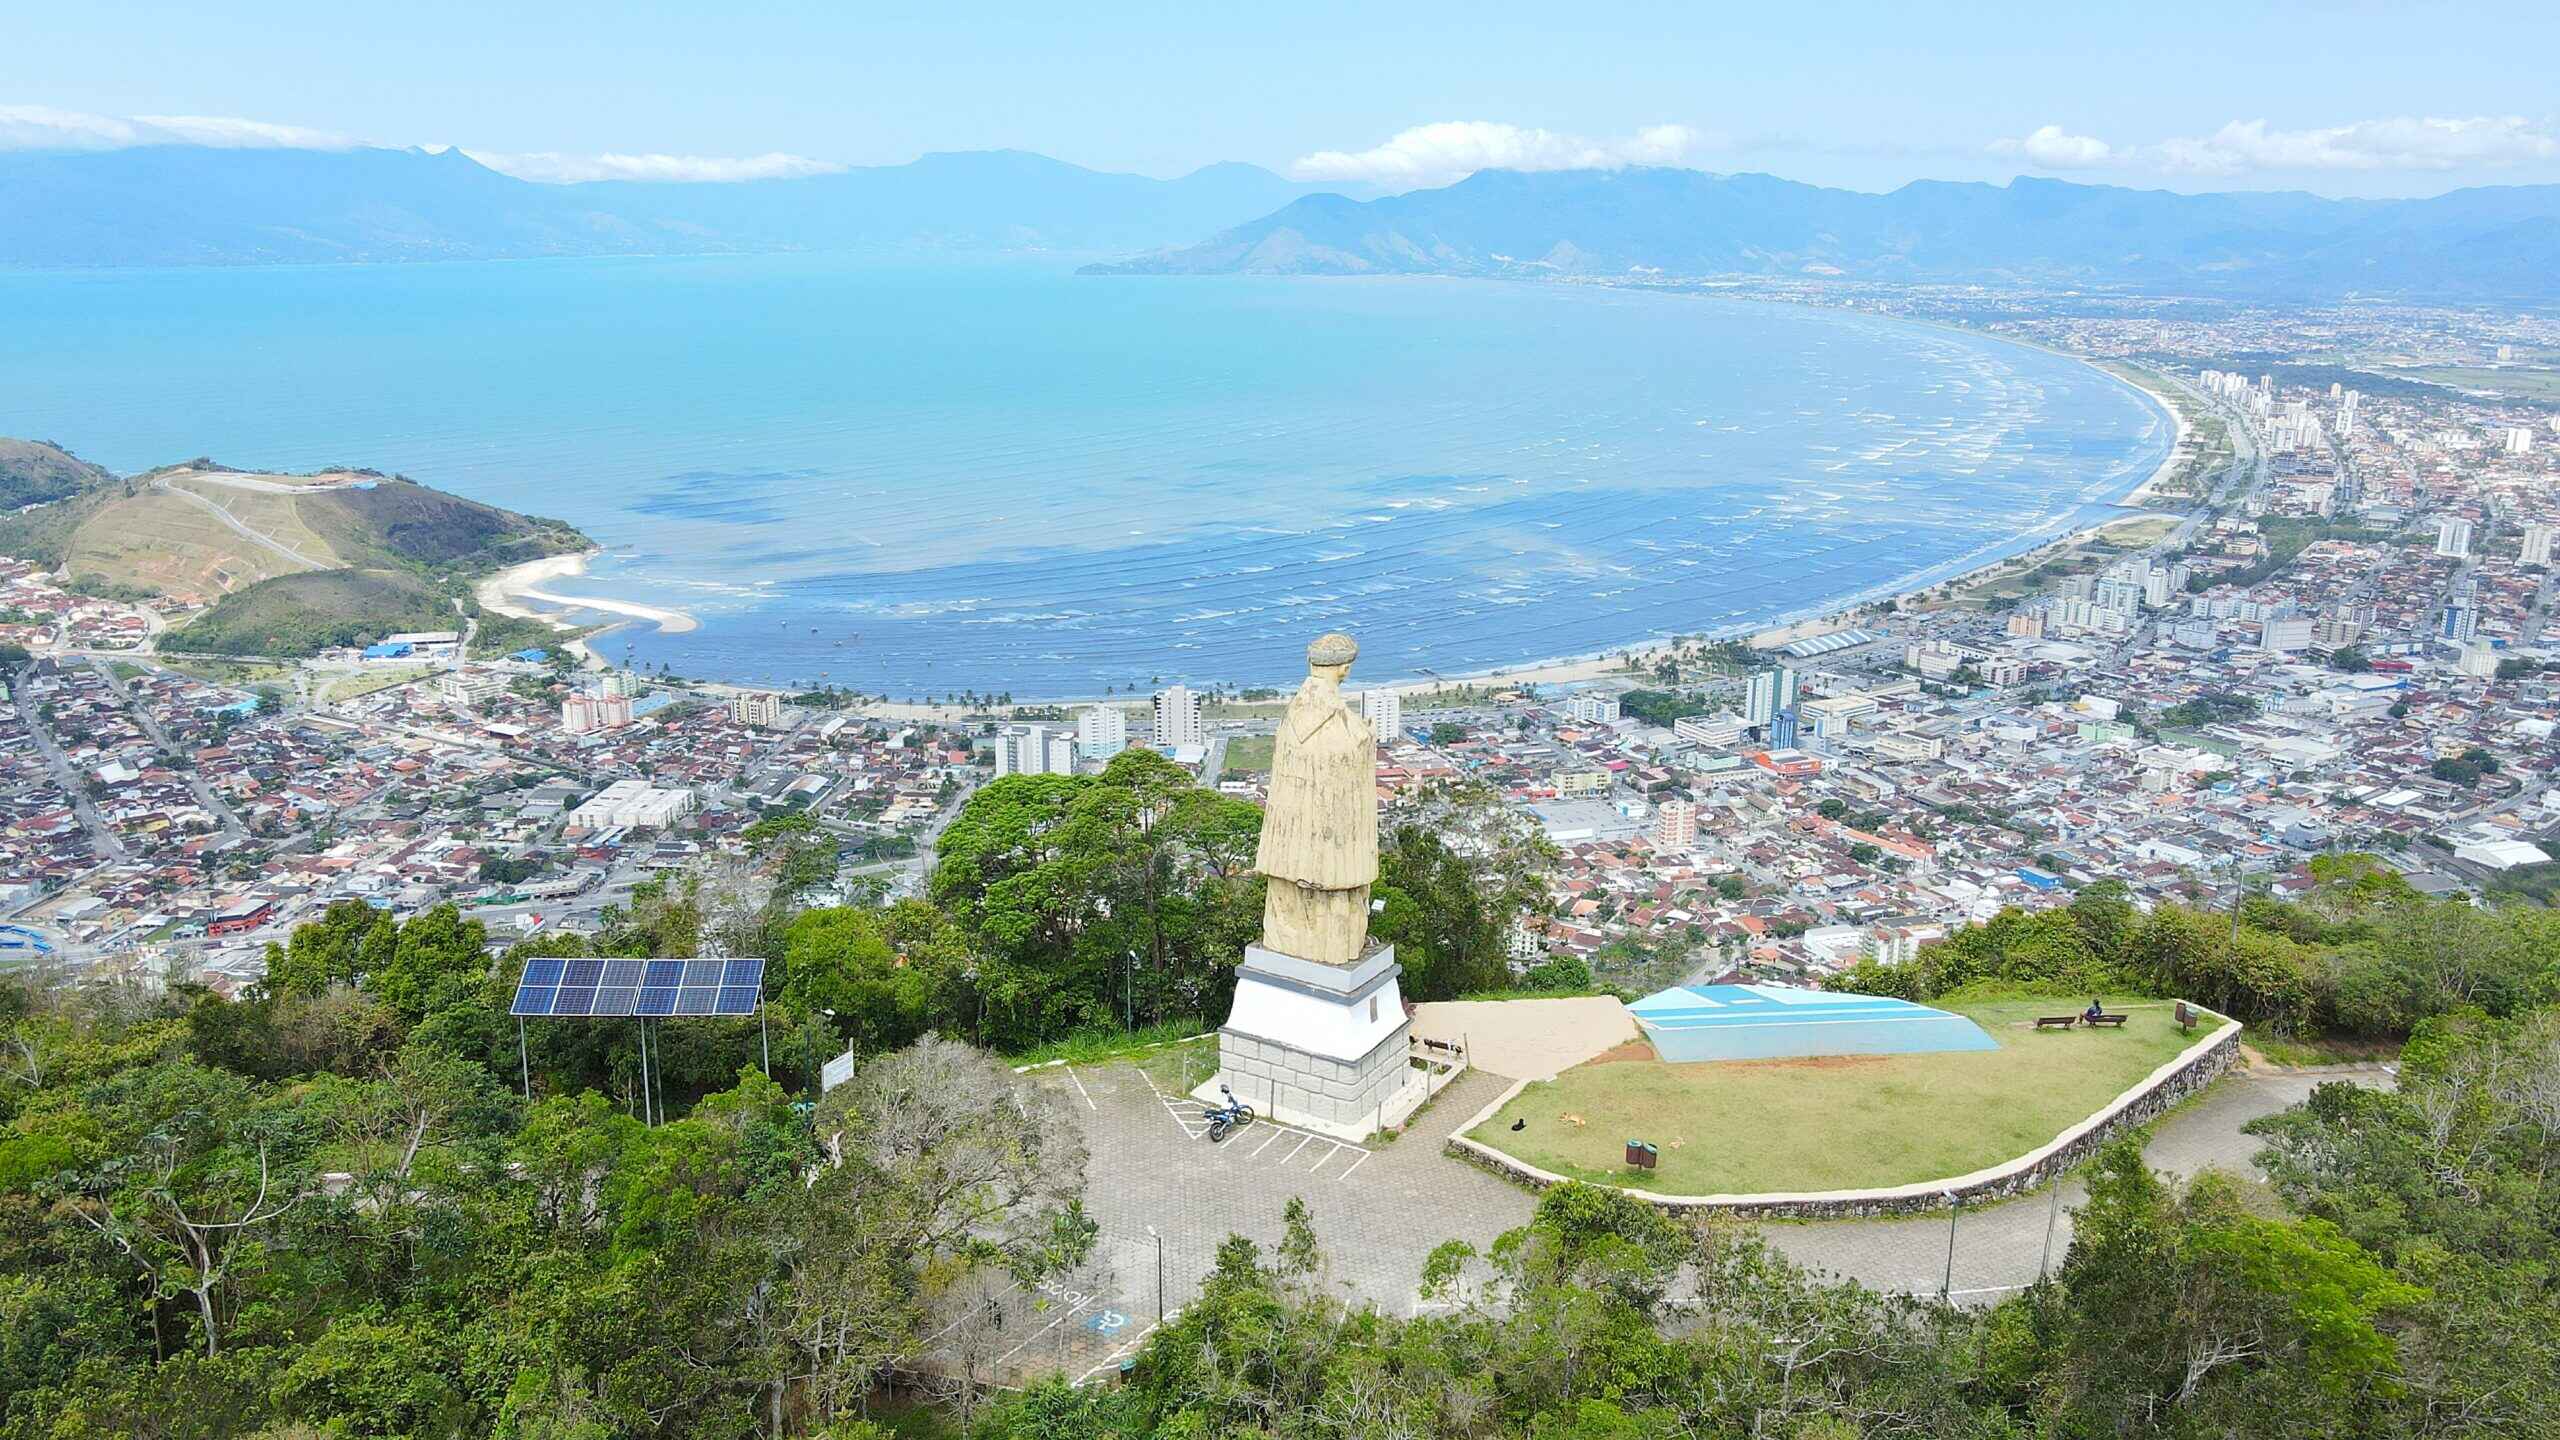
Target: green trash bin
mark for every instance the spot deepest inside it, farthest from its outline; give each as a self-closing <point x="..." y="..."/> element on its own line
<point x="1641" y="1156"/>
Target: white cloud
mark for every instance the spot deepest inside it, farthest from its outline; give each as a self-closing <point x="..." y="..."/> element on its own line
<point x="41" y="127"/>
<point x="554" y="168"/>
<point x="2432" y="143"/>
<point x="2051" y="148"/>
<point x="1453" y="149"/>
<point x="2402" y="143"/>
<point x="230" y="132"/>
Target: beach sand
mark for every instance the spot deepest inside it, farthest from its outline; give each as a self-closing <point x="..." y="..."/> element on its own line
<point x="506" y="592"/>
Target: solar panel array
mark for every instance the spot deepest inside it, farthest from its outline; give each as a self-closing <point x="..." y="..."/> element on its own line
<point x="639" y="987"/>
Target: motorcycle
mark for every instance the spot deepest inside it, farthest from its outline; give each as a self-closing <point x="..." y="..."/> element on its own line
<point x="1226" y="1119"/>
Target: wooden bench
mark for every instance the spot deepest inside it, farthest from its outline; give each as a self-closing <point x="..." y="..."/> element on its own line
<point x="2056" y="1022"/>
<point x="2097" y="1020"/>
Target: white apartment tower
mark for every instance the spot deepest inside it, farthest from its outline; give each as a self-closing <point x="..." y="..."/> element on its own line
<point x="1771" y="691"/>
<point x="1384" y="710"/>
<point x="1102" y="731"/>
<point x="1178" y="719"/>
<point x="1034" y="750"/>
<point x="1593" y="708"/>
<point x="2453" y="538"/>
<point x="760" y="708"/>
<point x="2537" y="543"/>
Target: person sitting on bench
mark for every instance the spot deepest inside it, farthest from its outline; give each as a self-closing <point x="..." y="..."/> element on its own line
<point x="2094" y="1011"/>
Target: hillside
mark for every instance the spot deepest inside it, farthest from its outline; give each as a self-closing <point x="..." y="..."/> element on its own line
<point x="2484" y="243"/>
<point x="34" y="472"/>
<point x="202" y="531"/>
<point x="190" y="205"/>
<point x="303" y="614"/>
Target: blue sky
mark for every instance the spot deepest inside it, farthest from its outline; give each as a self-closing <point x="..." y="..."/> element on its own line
<point x="2344" y="99"/>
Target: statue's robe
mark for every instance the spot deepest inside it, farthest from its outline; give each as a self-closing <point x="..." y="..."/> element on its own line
<point x="1320" y="831"/>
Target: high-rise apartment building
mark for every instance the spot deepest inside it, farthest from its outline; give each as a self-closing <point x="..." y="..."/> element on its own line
<point x="1593" y="708"/>
<point x="1770" y="692"/>
<point x="1102" y="731"/>
<point x="1034" y="750"/>
<point x="1384" y="710"/>
<point x="2537" y="543"/>
<point x="760" y="708"/>
<point x="585" y="714"/>
<point x="1675" y="826"/>
<point x="2453" y="538"/>
<point x="1177" y="720"/>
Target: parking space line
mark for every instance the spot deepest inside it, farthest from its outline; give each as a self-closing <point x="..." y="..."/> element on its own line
<point x="1128" y="1349"/>
<point x="1329" y="1154"/>
<point x="1303" y="1144"/>
<point x="1356" y="1164"/>
<point x="1087" y="1094"/>
<point x="1276" y="1133"/>
<point x="1065" y="1315"/>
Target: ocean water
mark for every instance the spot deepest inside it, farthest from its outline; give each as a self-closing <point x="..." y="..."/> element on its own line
<point x="921" y="481"/>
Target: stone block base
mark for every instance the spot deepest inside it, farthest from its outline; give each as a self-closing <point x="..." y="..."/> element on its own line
<point x="1345" y="1099"/>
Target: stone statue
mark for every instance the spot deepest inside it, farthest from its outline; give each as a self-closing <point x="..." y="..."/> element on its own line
<point x="1320" y="833"/>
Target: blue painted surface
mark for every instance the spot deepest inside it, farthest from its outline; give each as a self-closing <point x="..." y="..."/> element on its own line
<point x="1772" y="1022"/>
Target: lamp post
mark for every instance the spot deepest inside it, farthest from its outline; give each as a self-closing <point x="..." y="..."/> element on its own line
<point x="817" y="1066"/>
<point x="1947" y="1286"/>
<point x="1155" y="1235"/>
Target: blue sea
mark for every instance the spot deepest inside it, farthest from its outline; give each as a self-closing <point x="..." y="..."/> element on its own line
<point x="1009" y="478"/>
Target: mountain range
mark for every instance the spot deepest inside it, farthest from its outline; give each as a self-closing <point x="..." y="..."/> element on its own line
<point x="2489" y="243"/>
<point x="190" y="205"/>
<point x="185" y="205"/>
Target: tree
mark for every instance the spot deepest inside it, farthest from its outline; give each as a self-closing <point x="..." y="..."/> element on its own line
<point x="1457" y="872"/>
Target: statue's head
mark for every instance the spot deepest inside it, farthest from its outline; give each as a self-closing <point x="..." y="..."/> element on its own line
<point x="1331" y="655"/>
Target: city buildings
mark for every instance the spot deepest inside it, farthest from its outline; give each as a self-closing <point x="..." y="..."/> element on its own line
<point x="585" y="714"/>
<point x="1769" y="692"/>
<point x="760" y="708"/>
<point x="633" y="805"/>
<point x="1034" y="750"/>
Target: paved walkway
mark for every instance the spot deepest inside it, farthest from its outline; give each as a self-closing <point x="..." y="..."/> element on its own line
<point x="1379" y="1210"/>
<point x="1538" y="1039"/>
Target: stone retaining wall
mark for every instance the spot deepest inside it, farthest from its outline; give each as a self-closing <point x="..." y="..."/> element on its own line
<point x="2191" y="1070"/>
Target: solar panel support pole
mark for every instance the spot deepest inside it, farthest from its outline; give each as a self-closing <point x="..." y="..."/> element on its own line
<point x="648" y="1111"/>
<point x="764" y="1039"/>
<point x="524" y="1061"/>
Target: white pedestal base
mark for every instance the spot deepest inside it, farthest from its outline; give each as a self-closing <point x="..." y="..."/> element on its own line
<point x="1321" y="1047"/>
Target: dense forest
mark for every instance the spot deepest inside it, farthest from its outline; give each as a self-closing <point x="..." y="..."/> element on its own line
<point x="345" y="1203"/>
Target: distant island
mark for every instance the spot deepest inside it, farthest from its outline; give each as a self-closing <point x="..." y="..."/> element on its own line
<point x="245" y="562"/>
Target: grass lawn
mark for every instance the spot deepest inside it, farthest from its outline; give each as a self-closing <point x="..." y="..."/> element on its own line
<point x="1248" y="755"/>
<point x="1840" y="1122"/>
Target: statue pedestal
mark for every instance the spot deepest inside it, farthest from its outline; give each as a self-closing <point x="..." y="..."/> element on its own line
<point x="1321" y="1047"/>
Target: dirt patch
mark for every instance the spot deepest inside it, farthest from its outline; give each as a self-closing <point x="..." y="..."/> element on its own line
<point x="1632" y="1050"/>
<point x="1811" y="1062"/>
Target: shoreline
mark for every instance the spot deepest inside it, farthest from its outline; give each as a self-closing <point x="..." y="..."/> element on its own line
<point x="1569" y="669"/>
<point x="507" y="592"/>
